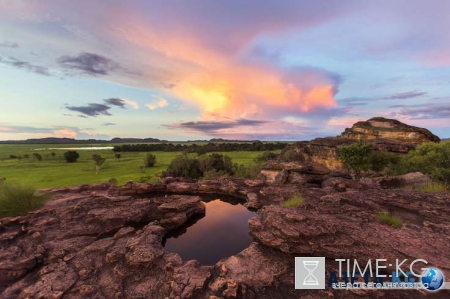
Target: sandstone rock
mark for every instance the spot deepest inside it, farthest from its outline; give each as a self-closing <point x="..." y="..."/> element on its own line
<point x="81" y="245"/>
<point x="380" y="127"/>
<point x="415" y="179"/>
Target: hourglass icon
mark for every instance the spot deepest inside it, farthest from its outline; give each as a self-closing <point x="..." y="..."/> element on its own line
<point x="310" y="279"/>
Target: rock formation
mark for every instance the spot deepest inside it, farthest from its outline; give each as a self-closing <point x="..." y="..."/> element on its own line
<point x="105" y="241"/>
<point x="387" y="135"/>
<point x="384" y="128"/>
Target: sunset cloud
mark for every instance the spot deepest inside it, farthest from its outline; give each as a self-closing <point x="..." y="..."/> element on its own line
<point x="121" y="102"/>
<point x="158" y="104"/>
<point x="286" y="64"/>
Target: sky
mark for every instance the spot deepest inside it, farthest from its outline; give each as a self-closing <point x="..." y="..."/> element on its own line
<point x="234" y="69"/>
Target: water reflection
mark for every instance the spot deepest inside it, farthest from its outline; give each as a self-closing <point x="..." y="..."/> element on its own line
<point x="221" y="232"/>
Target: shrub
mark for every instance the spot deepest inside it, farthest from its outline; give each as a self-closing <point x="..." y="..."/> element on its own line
<point x="390" y="219"/>
<point x="293" y="201"/>
<point x="431" y="158"/>
<point x="266" y="156"/>
<point x="149" y="160"/>
<point x="207" y="166"/>
<point x="118" y="156"/>
<point x="12" y="156"/>
<point x="247" y="172"/>
<point x="291" y="155"/>
<point x="37" y="156"/>
<point x="183" y="166"/>
<point x="212" y="174"/>
<point x="360" y="156"/>
<point x="71" y="156"/>
<point x="16" y="200"/>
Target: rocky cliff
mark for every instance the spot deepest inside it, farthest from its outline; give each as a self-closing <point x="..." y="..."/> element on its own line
<point x="384" y="128"/>
<point x="106" y="242"/>
<point x="387" y="135"/>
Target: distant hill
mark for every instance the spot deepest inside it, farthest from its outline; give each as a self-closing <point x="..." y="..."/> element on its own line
<point x="55" y="140"/>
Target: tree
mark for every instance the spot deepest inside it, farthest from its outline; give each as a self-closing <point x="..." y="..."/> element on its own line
<point x="37" y="156"/>
<point x="98" y="160"/>
<point x="361" y="156"/>
<point x="53" y="154"/>
<point x="118" y="156"/>
<point x="149" y="160"/>
<point x="71" y="156"/>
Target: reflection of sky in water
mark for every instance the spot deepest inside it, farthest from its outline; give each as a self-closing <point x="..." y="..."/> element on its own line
<point x="221" y="233"/>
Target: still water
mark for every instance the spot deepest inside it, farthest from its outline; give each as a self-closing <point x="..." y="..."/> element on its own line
<point x="222" y="232"/>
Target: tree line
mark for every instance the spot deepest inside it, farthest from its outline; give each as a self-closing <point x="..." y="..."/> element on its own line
<point x="201" y="149"/>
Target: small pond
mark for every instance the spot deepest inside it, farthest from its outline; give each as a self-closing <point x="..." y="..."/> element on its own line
<point x="221" y="232"/>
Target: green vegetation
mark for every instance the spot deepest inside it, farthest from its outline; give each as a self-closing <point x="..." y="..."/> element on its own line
<point x="390" y="219"/>
<point x="293" y="201"/>
<point x="430" y="158"/>
<point x="98" y="161"/>
<point x="55" y="172"/>
<point x="201" y="148"/>
<point x="149" y="160"/>
<point x="360" y="156"/>
<point x="433" y="187"/>
<point x="71" y="156"/>
<point x="17" y="200"/>
<point x="207" y="166"/>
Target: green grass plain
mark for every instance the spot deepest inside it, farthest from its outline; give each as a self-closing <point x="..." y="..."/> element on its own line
<point x="56" y="172"/>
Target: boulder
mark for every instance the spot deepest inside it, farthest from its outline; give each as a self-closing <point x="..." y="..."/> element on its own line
<point x="384" y="128"/>
<point x="411" y="180"/>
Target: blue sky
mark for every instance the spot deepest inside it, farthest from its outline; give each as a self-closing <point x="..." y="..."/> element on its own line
<point x="179" y="70"/>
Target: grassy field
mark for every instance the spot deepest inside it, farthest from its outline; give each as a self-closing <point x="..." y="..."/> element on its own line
<point x="56" y="172"/>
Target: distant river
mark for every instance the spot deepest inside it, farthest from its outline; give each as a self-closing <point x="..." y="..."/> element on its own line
<point x="222" y="232"/>
<point x="92" y="148"/>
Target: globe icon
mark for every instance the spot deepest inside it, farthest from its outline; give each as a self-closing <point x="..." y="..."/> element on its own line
<point x="432" y="279"/>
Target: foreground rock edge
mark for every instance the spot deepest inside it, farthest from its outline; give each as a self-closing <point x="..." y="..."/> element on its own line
<point x="99" y="242"/>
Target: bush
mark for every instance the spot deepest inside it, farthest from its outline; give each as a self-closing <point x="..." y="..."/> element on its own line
<point x="149" y="160"/>
<point x="430" y="158"/>
<point x="17" y="200"/>
<point x="212" y="174"/>
<point x="37" y="156"/>
<point x="266" y="156"/>
<point x="390" y="219"/>
<point x="247" y="172"/>
<point x="71" y="156"/>
<point x="210" y="165"/>
<point x="293" y="201"/>
<point x="360" y="156"/>
<point x="291" y="155"/>
<point x="183" y="166"/>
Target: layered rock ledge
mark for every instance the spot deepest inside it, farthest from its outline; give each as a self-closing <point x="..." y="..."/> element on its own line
<point x="105" y="242"/>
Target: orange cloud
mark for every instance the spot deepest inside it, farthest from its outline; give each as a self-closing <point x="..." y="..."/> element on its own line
<point x="219" y="83"/>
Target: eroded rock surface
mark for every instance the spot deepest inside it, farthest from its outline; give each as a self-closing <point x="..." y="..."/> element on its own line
<point x="95" y="242"/>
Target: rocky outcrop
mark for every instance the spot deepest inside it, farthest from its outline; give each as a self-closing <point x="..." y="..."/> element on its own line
<point x="386" y="135"/>
<point x="94" y="242"/>
<point x="384" y="128"/>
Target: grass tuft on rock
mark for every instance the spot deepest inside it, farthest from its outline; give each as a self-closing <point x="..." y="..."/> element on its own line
<point x="17" y="200"/>
<point x="433" y="187"/>
<point x="390" y="219"/>
<point x="293" y="201"/>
